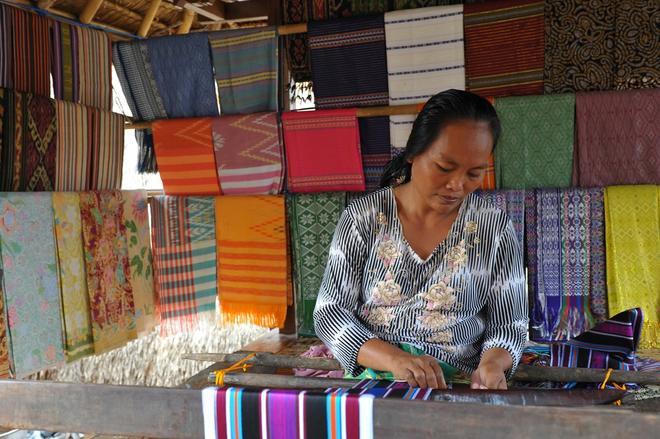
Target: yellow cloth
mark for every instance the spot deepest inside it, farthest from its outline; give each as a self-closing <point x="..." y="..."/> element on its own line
<point x="632" y="226"/>
<point x="252" y="259"/>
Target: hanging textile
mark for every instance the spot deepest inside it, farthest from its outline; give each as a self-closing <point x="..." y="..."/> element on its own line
<point x="323" y="151"/>
<point x="29" y="264"/>
<point x="246" y="67"/>
<point x="349" y="67"/>
<point x="313" y="220"/>
<point x="112" y="306"/>
<point x="504" y="47"/>
<point x="424" y="56"/>
<point x="536" y="146"/>
<point x="75" y="139"/>
<point x="185" y="156"/>
<point x="40" y="144"/>
<point x="65" y="62"/>
<point x="31" y="54"/>
<point x="248" y="154"/>
<point x="559" y="254"/>
<point x="597" y="280"/>
<point x="295" y="46"/>
<point x="183" y="236"/>
<point x="78" y="339"/>
<point x="9" y="132"/>
<point x="4" y="342"/>
<point x="94" y="67"/>
<point x="610" y="344"/>
<point x="375" y="146"/>
<point x="617" y="138"/>
<point x="107" y="158"/>
<point x="513" y="203"/>
<point x="252" y="259"/>
<point x="609" y="45"/>
<point x="136" y="221"/>
<point x="633" y="255"/>
<point x="6" y="46"/>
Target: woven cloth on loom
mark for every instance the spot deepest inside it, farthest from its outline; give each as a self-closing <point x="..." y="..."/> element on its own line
<point x="75" y="137"/>
<point x="513" y="203"/>
<point x="32" y="291"/>
<point x="185" y="156"/>
<point x="617" y="138"/>
<point x="633" y="255"/>
<point x="31" y="52"/>
<point x="562" y="269"/>
<point x="4" y="341"/>
<point x="536" y="146"/>
<point x="609" y="45"/>
<point x="252" y="259"/>
<point x="375" y="145"/>
<point x="504" y="47"/>
<point x="78" y="339"/>
<point x="349" y="68"/>
<point x="248" y="154"/>
<point x="183" y="236"/>
<point x="313" y="219"/>
<point x="245" y="62"/>
<point x="40" y="144"/>
<point x="323" y="151"/>
<point x="136" y="220"/>
<point x="424" y="56"/>
<point x="610" y="344"/>
<point x="112" y="307"/>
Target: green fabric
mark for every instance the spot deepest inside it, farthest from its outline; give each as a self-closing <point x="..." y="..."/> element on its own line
<point x="313" y="219"/>
<point x="536" y="146"/>
<point x="370" y="374"/>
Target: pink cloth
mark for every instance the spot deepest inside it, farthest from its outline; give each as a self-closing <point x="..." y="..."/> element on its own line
<point x="318" y="351"/>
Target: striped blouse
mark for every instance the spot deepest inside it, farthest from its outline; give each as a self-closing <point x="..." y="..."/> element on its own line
<point x="467" y="297"/>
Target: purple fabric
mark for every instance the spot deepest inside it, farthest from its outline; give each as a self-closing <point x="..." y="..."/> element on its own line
<point x="282" y="414"/>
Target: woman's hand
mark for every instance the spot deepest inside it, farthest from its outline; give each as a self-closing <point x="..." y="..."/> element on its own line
<point x="419" y="371"/>
<point x="490" y="373"/>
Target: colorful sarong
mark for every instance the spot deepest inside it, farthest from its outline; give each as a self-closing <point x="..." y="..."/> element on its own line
<point x="40" y="144"/>
<point x="633" y="255"/>
<point x="183" y="235"/>
<point x="252" y="259"/>
<point x="78" y="339"/>
<point x="610" y="344"/>
<point x="30" y="283"/>
<point x="6" y="46"/>
<point x="245" y="62"/>
<point x="75" y="138"/>
<point x="536" y="146"/>
<point x="31" y="52"/>
<point x="185" y="156"/>
<point x="617" y="138"/>
<point x="108" y="154"/>
<point x="323" y="151"/>
<point x="349" y="68"/>
<point x="94" y="67"/>
<point x="112" y="306"/>
<point x="313" y="220"/>
<point x="513" y="203"/>
<point x="375" y="145"/>
<point x="4" y="341"/>
<point x="504" y="47"/>
<point x="65" y="62"/>
<point x="248" y="153"/>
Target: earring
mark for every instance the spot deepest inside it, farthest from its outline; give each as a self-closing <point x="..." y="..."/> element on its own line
<point x="400" y="179"/>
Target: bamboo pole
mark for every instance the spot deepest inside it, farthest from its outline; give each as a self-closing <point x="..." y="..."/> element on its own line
<point x="148" y="18"/>
<point x="186" y="23"/>
<point x="288" y="29"/>
<point x="45" y="4"/>
<point x="90" y="10"/>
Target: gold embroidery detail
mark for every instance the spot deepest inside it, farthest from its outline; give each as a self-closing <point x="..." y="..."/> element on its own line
<point x="435" y="320"/>
<point x="388" y="251"/>
<point x="381" y="219"/>
<point x="380" y="316"/>
<point x="386" y="292"/>
<point x="457" y="255"/>
<point x="441" y="337"/>
<point x="471" y="227"/>
<point x="440" y="296"/>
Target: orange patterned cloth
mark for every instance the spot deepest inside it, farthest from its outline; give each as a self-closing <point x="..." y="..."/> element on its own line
<point x="185" y="156"/>
<point x="252" y="259"/>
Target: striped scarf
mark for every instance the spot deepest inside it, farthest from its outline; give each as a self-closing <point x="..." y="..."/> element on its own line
<point x="6" y="44"/>
<point x="94" y="67"/>
<point x="31" y="52"/>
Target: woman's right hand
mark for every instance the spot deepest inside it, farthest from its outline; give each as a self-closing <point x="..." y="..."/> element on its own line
<point x="419" y="371"/>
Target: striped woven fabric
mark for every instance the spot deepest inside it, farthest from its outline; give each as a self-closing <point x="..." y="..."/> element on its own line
<point x="65" y="62"/>
<point x="94" y="65"/>
<point x="31" y="52"/>
<point x="323" y="151"/>
<point x="6" y="45"/>
<point x="504" y="45"/>
<point x="245" y="64"/>
<point x="10" y="135"/>
<point x="40" y="144"/>
<point x="252" y="259"/>
<point x="4" y="341"/>
<point x="108" y="151"/>
<point x="375" y="145"/>
<point x="349" y="68"/>
<point x="186" y="160"/>
<point x="184" y="246"/>
<point x="75" y="136"/>
<point x="248" y="153"/>
<point x="424" y="56"/>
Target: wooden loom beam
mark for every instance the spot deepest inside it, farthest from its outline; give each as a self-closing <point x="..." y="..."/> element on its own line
<point x="148" y="18"/>
<point x="90" y="10"/>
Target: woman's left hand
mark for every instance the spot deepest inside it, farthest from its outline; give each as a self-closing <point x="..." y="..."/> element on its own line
<point x="488" y="376"/>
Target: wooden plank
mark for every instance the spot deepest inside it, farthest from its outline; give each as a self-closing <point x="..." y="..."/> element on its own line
<point x="90" y="10"/>
<point x="148" y="18"/>
<point x="272" y="342"/>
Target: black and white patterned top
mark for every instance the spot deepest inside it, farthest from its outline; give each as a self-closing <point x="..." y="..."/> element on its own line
<point x="467" y="297"/>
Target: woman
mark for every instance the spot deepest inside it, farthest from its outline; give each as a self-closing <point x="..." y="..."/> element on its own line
<point x="425" y="278"/>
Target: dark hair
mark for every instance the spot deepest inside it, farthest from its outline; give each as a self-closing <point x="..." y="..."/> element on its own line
<point x="443" y="108"/>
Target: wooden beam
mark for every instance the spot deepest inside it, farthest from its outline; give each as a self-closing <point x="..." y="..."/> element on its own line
<point x="148" y="18"/>
<point x="186" y="22"/>
<point x="90" y="10"/>
<point x="132" y="14"/>
<point x="45" y="4"/>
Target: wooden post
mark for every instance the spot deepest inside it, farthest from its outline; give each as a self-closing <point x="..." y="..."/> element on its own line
<point x="186" y="23"/>
<point x="148" y="18"/>
<point x="91" y="8"/>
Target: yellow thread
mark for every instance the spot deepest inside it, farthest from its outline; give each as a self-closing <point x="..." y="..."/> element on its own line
<point x="239" y="365"/>
<point x="607" y="378"/>
<point x="615" y="385"/>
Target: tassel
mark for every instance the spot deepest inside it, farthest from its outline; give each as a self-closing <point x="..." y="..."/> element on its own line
<point x="266" y="315"/>
<point x="146" y="152"/>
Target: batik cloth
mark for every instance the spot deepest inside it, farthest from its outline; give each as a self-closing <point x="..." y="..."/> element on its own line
<point x="632" y="250"/>
<point x="245" y="62"/>
<point x="512" y="202"/>
<point x="535" y="149"/>
<point x="75" y="140"/>
<point x="610" y="344"/>
<point x="112" y="306"/>
<point x="78" y="339"/>
<point x="375" y="146"/>
<point x="136" y="221"/>
<point x="248" y="154"/>
<point x="252" y="259"/>
<point x="504" y="45"/>
<point x="617" y="138"/>
<point x="31" y="52"/>
<point x="323" y="151"/>
<point x="183" y="236"/>
<point x="186" y="160"/>
<point x="65" y="62"/>
<point x="94" y="67"/>
<point x="4" y="341"/>
<point x="39" y="144"/>
<point x="313" y="219"/>
<point x="561" y="233"/>
<point x="349" y="67"/>
<point x="424" y="57"/>
<point x="30" y="282"/>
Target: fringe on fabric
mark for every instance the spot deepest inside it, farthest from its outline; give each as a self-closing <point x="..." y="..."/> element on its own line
<point x="268" y="316"/>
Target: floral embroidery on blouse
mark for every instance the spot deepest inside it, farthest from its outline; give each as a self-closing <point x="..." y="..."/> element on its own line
<point x="457" y="256"/>
<point x="471" y="227"/>
<point x="435" y="320"/>
<point x="386" y="292"/>
<point x="439" y="296"/>
<point x="388" y="251"/>
<point x="441" y="337"/>
<point x="380" y="316"/>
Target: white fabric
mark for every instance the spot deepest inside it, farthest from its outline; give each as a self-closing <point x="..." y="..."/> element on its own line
<point x="366" y="403"/>
<point x="209" y="412"/>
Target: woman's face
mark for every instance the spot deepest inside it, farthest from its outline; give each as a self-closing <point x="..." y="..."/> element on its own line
<point x="454" y="165"/>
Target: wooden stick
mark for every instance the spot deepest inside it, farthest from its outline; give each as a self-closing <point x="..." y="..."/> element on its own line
<point x="273" y="360"/>
<point x="186" y="22"/>
<point x="288" y="29"/>
<point x="148" y="18"/>
<point x="91" y="8"/>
